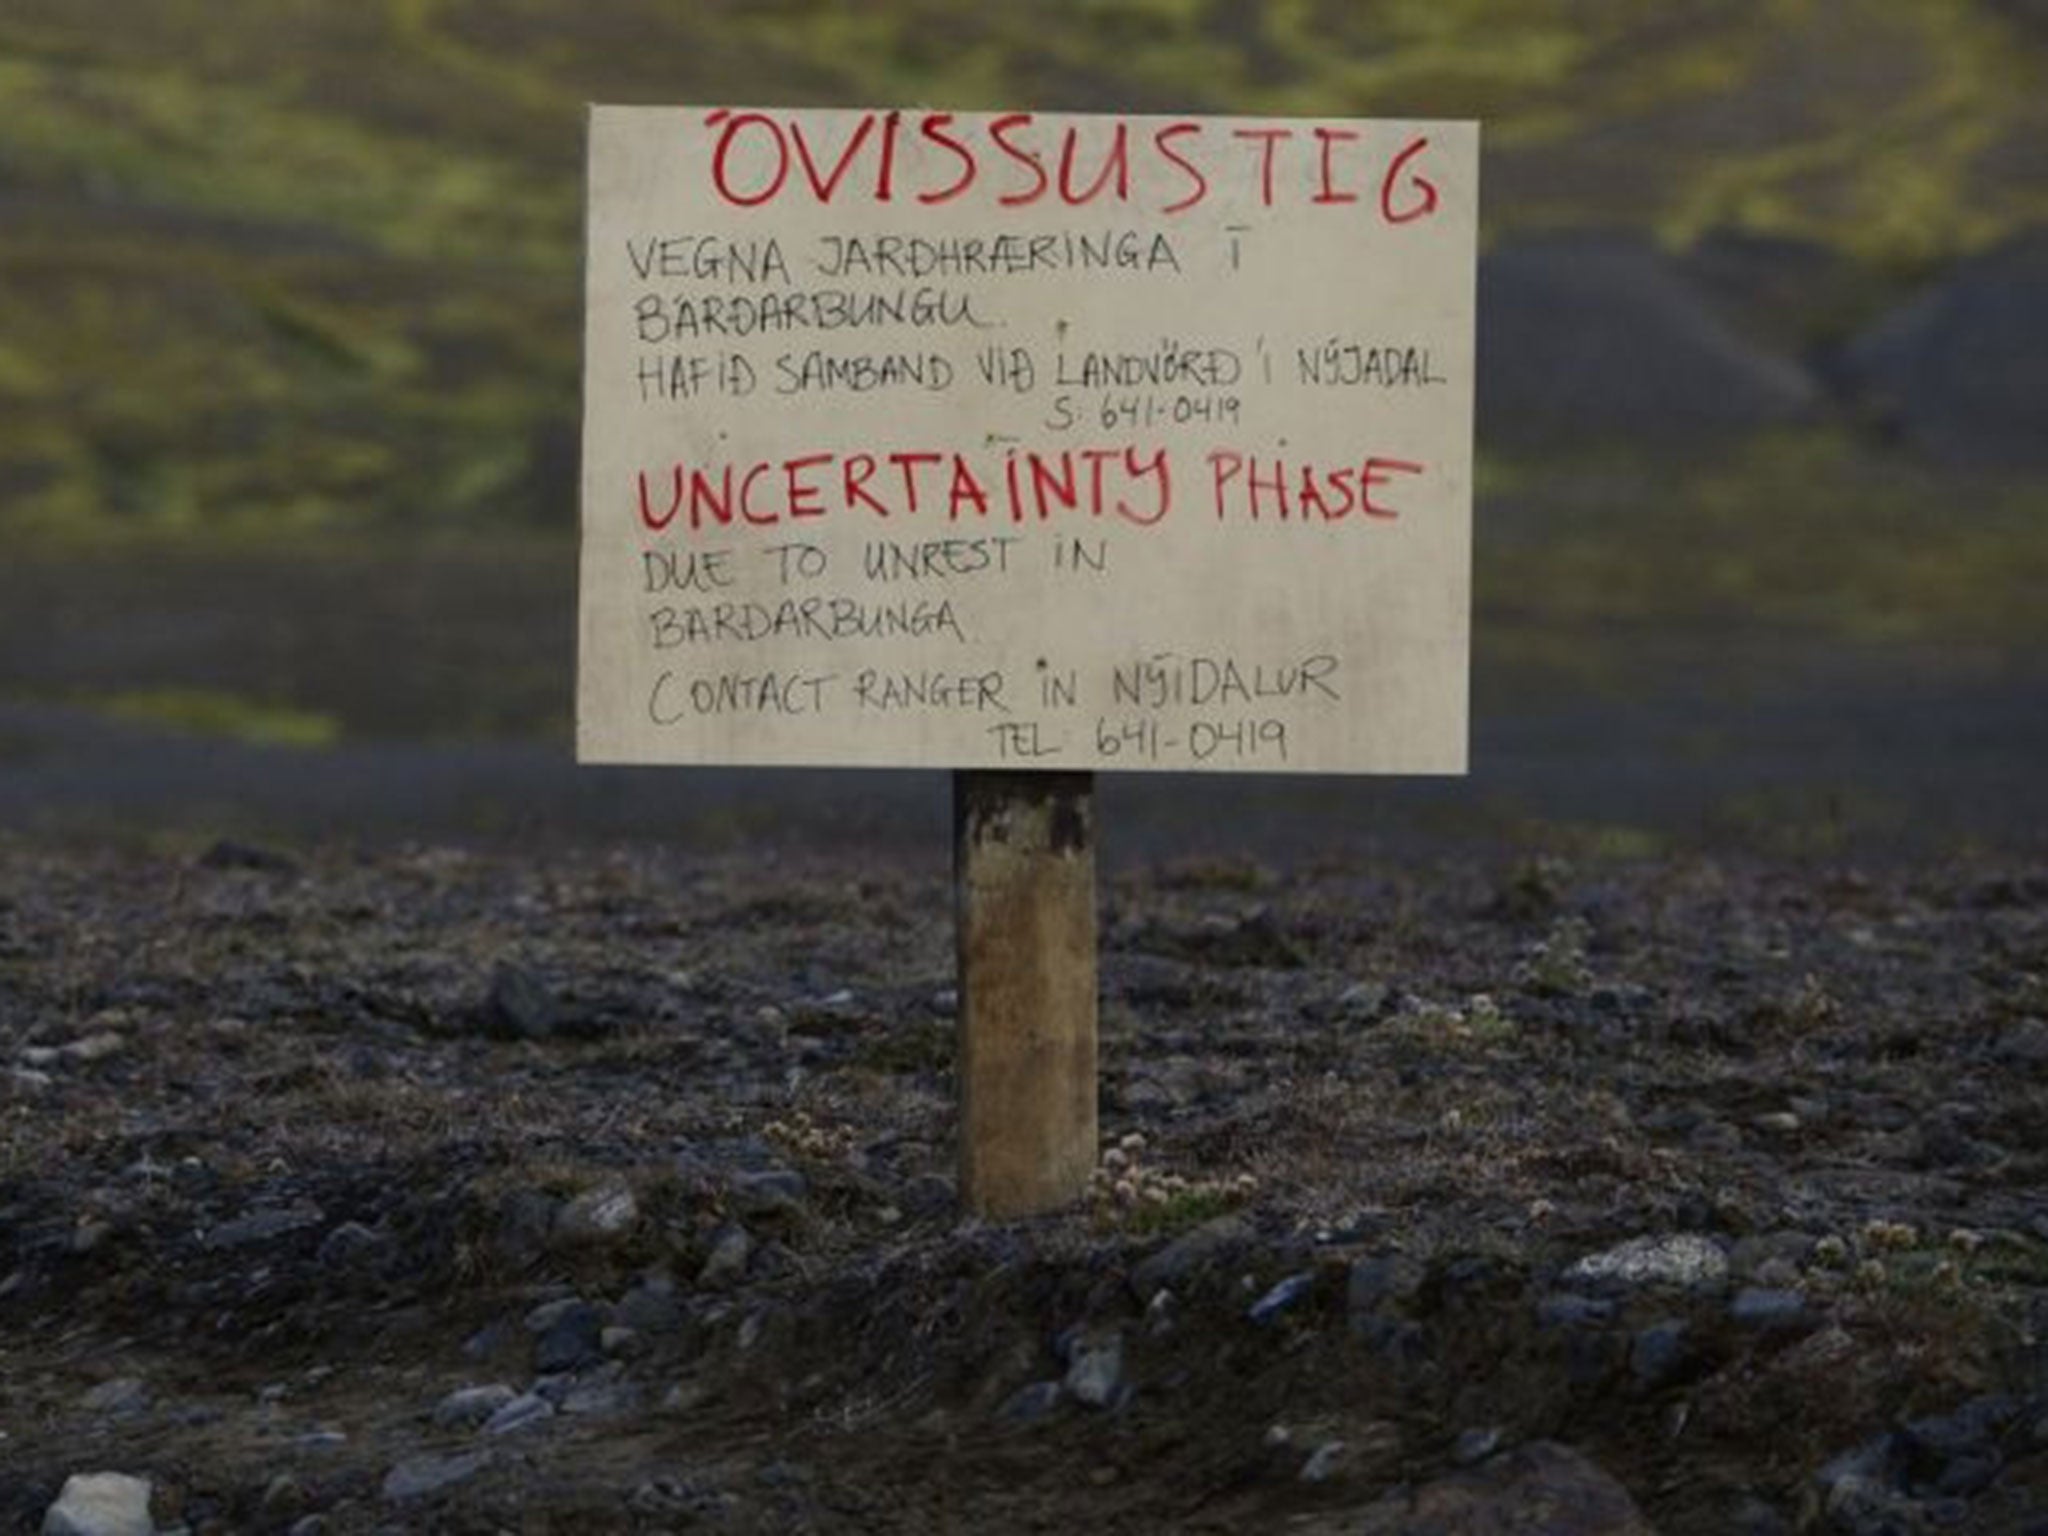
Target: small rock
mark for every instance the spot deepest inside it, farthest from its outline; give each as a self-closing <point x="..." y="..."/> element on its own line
<point x="685" y="1397"/>
<point x="349" y="1244"/>
<point x="1866" y="1506"/>
<point x="597" y="1217"/>
<point x="649" y="1308"/>
<point x="574" y="1340"/>
<point x="1778" y="1123"/>
<point x="28" y="1082"/>
<point x="101" y="1504"/>
<point x="1173" y="1266"/>
<point x="546" y="1314"/>
<point x="1658" y="1353"/>
<point x="1362" y="1000"/>
<point x="1095" y="1367"/>
<point x="1378" y="1279"/>
<point x="767" y="1193"/>
<point x="519" y="1005"/>
<point x="1759" y="1307"/>
<point x="310" y="1525"/>
<point x="1399" y="1341"/>
<point x="726" y="1264"/>
<point x="282" y="1495"/>
<point x="468" y="1407"/>
<point x="2025" y="1044"/>
<point x="522" y="1412"/>
<point x="1323" y="1462"/>
<point x="1685" y="1261"/>
<point x="122" y="1396"/>
<point x="601" y="1399"/>
<point x="620" y="1343"/>
<point x="419" y="1477"/>
<point x="1474" y="1445"/>
<point x="1281" y="1297"/>
<point x="1030" y="1403"/>
<point x="263" y="1225"/>
<point x="1563" y="1309"/>
<point x="524" y="1220"/>
<point x="93" y="1048"/>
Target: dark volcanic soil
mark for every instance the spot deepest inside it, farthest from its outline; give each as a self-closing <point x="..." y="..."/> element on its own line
<point x="659" y="1147"/>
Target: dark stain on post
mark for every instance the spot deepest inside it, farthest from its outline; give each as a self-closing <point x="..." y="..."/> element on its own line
<point x="982" y="800"/>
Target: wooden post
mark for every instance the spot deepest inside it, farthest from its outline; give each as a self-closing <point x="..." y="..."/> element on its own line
<point x="1024" y="896"/>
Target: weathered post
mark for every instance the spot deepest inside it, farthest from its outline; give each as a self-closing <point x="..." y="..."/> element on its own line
<point x="1024" y="893"/>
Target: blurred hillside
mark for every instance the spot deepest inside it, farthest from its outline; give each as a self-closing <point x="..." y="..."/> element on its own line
<point x="285" y="263"/>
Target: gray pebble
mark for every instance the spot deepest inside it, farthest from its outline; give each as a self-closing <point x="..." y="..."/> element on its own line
<point x="419" y="1477"/>
<point x="1281" y="1297"/>
<point x="123" y="1396"/>
<point x="1323" y="1462"/>
<point x="101" y="1504"/>
<point x="1659" y="1353"/>
<point x="1475" y="1445"/>
<point x="467" y="1407"/>
<point x="348" y="1244"/>
<point x="597" y="1218"/>
<point x="727" y="1263"/>
<point x="1030" y="1403"/>
<point x="1686" y="1260"/>
<point x="769" y="1192"/>
<point x="1761" y="1307"/>
<point x="521" y="1412"/>
<point x="1562" y="1309"/>
<point x="1095" y="1367"/>
<point x="574" y="1340"/>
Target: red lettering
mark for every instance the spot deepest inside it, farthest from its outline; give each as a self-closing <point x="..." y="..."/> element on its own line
<point x="999" y="130"/>
<point x="1117" y="162"/>
<point x="1224" y="467"/>
<point x="825" y="186"/>
<point x="1095" y="458"/>
<point x="965" y="489"/>
<point x="747" y="496"/>
<point x="803" y="496"/>
<point x="934" y="128"/>
<point x="1135" y="469"/>
<point x="728" y="126"/>
<point x="1198" y="183"/>
<point x="885" y="180"/>
<point x="1310" y="495"/>
<point x="858" y="470"/>
<point x="702" y="496"/>
<point x="908" y="463"/>
<point x="1329" y="139"/>
<point x="1043" y="479"/>
<point x="1269" y="139"/>
<point x="675" y="502"/>
<point x="1276" y="483"/>
<point x="1424" y="205"/>
<point x="1378" y="472"/>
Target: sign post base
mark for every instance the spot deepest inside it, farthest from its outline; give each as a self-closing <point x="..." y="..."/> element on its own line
<point x="1024" y="895"/>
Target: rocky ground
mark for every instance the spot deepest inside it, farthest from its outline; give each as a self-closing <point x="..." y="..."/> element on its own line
<point x="433" y="1190"/>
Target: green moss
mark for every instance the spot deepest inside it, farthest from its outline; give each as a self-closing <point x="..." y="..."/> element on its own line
<point x="320" y="265"/>
<point x="208" y="712"/>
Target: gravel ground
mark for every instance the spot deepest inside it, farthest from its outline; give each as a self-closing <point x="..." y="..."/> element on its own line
<point x="441" y="1190"/>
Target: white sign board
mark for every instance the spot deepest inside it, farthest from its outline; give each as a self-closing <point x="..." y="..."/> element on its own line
<point x="1022" y="440"/>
